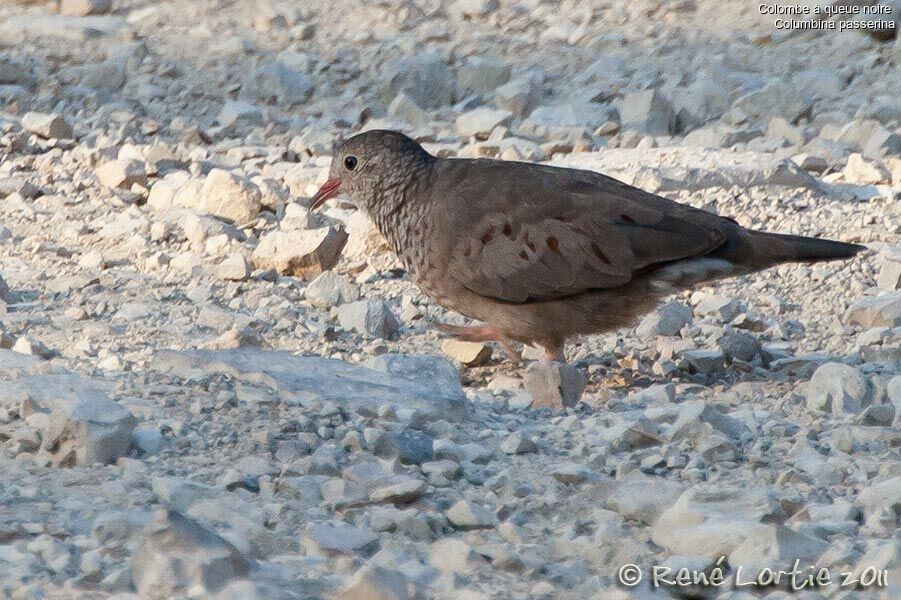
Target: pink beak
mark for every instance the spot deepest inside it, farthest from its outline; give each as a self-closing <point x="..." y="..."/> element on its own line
<point x="328" y="190"/>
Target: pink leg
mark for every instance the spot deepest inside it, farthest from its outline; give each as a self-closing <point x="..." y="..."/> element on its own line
<point x="481" y="333"/>
<point x="553" y="354"/>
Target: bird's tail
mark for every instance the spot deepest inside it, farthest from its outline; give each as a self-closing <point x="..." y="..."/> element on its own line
<point x="761" y="249"/>
<point x="791" y="248"/>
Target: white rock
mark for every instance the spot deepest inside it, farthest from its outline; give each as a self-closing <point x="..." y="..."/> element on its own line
<point x="374" y="582"/>
<point x="82" y="8"/>
<point x="480" y="122"/>
<point x="423" y="76"/>
<point x="177" y="556"/>
<point x="331" y="289"/>
<point x="46" y="125"/>
<point x="669" y="319"/>
<point x="239" y="113"/>
<point x="860" y="170"/>
<point x="647" y="112"/>
<point x="230" y="197"/>
<point x="838" y="388"/>
<point x="553" y="385"/>
<point x="468" y="353"/>
<point x="481" y="75"/>
<point x="876" y="311"/>
<point x="303" y="253"/>
<point x="722" y="307"/>
<point x="406" y="108"/>
<point x="122" y="173"/>
<point x="233" y="268"/>
<point x="644" y="499"/>
<point x="469" y="515"/>
<point x="368" y="317"/>
<point x="277" y="83"/>
<point x="339" y="538"/>
<point x="889" y="277"/>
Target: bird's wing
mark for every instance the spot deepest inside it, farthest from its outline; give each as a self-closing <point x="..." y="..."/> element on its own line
<point x="534" y="233"/>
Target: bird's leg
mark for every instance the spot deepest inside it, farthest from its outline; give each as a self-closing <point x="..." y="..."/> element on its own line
<point x="553" y="354"/>
<point x="481" y="333"/>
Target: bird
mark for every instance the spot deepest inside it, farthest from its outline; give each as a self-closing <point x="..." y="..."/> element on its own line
<point x="539" y="253"/>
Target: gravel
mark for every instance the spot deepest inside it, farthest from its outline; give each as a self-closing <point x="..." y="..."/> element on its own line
<point x="208" y="390"/>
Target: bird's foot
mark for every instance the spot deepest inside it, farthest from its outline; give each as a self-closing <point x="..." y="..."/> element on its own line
<point x="481" y="333"/>
<point x="554" y="354"/>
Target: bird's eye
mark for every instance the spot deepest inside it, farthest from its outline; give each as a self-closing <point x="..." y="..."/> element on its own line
<point x="350" y="163"/>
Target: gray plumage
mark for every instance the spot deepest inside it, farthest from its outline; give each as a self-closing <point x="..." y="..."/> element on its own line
<point x="543" y="253"/>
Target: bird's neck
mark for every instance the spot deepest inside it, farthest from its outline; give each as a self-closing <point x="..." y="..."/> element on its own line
<point x="400" y="209"/>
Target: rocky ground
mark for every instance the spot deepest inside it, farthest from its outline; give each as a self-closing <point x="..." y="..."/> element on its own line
<point x="208" y="391"/>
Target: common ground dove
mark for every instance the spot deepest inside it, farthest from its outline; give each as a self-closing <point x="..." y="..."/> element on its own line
<point x="542" y="253"/>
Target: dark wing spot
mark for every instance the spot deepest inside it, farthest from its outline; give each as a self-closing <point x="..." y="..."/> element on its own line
<point x="467" y="252"/>
<point x="597" y="252"/>
<point x="523" y="255"/>
<point x="508" y="229"/>
<point x="553" y="244"/>
<point x="627" y="219"/>
<point x="488" y="235"/>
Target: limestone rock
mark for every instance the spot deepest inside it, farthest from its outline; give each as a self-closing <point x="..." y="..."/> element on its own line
<point x="553" y="385"/>
<point x="178" y="556"/>
<point x="468" y="353"/>
<point x="838" y="388"/>
<point x="339" y="538"/>
<point x="330" y="289"/>
<point x="300" y="253"/>
<point x="647" y="112"/>
<point x="229" y="197"/>
<point x="469" y="515"/>
<point x="876" y="311"/>
<point x="82" y="8"/>
<point x="122" y="173"/>
<point x="46" y="125"/>
<point x="669" y="319"/>
<point x="368" y="317"/>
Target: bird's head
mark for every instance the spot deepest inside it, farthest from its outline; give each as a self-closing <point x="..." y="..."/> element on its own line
<point x="368" y="164"/>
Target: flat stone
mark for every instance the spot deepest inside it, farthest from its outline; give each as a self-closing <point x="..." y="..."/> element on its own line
<point x="424" y="383"/>
<point x="277" y="82"/>
<point x="553" y="385"/>
<point x="480" y="122"/>
<point x="776" y="547"/>
<point x="301" y="253"/>
<point x="469" y="353"/>
<point x="339" y="538"/>
<point x="236" y="113"/>
<point x="399" y="490"/>
<point x="876" y="311"/>
<point x="712" y="520"/>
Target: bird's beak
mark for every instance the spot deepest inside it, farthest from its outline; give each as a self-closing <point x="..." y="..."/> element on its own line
<point x="328" y="190"/>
